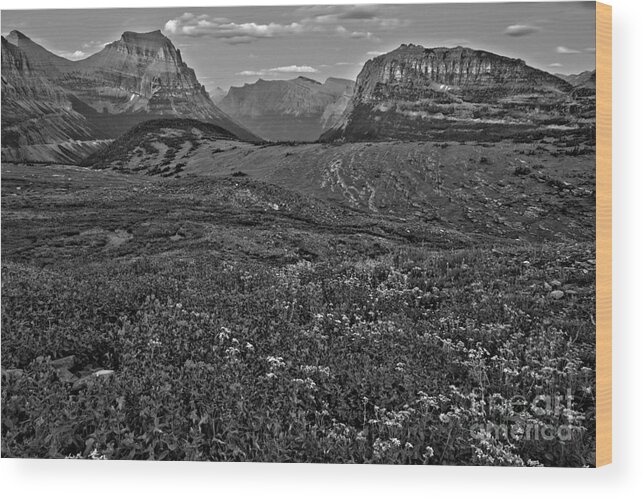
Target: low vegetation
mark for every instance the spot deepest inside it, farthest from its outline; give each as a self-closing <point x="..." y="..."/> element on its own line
<point x="252" y="324"/>
<point x="375" y="360"/>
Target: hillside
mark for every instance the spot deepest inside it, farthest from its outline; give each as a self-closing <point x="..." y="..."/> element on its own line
<point x="524" y="191"/>
<point x="417" y="93"/>
<point x="158" y="146"/>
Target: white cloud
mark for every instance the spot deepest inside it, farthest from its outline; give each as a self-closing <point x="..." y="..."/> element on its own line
<point x="72" y="55"/>
<point x="521" y="30"/>
<point x="230" y="32"/>
<point x="356" y="22"/>
<point x="375" y="53"/>
<point x="93" y="46"/>
<point x="555" y="65"/>
<point x="566" y="50"/>
<point x="279" y="70"/>
<point x="363" y="35"/>
<point x="590" y="49"/>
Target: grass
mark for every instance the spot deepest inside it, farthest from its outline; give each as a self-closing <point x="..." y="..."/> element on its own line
<point x="308" y="333"/>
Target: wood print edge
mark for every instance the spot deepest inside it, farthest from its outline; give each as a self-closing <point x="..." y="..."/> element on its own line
<point x="603" y="234"/>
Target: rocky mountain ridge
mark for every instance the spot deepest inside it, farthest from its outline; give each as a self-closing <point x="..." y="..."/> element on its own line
<point x="139" y="77"/>
<point x="419" y="93"/>
<point x="39" y="122"/>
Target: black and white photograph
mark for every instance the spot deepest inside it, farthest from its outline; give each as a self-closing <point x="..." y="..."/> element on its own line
<point x="348" y="234"/>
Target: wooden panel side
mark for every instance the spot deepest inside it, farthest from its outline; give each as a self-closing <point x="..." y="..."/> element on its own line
<point x="603" y="234"/>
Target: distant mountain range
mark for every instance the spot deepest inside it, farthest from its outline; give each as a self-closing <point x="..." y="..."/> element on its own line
<point x="57" y="110"/>
<point x="417" y="93"/>
<point x="139" y="77"/>
<point x="298" y="109"/>
<point x="586" y="79"/>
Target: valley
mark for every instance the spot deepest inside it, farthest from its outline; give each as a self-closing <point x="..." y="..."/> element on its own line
<point x="295" y="270"/>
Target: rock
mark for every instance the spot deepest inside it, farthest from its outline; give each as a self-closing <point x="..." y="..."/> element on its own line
<point x="547" y="286"/>
<point x="66" y="375"/>
<point x="557" y="294"/>
<point x="555" y="283"/>
<point x="87" y="380"/>
<point x="8" y="374"/>
<point x="64" y="363"/>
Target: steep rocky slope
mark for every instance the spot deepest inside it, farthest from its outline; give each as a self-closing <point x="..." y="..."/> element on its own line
<point x="415" y="93"/>
<point x="38" y="119"/>
<point x="140" y="77"/>
<point x="299" y="109"/>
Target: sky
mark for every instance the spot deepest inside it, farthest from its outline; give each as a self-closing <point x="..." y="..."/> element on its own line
<point x="231" y="46"/>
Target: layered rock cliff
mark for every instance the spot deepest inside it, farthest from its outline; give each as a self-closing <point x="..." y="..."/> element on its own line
<point x="140" y="77"/>
<point x="38" y="119"/>
<point x="297" y="109"/>
<point x="418" y="93"/>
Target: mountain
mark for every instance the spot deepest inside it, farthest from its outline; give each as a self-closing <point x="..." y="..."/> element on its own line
<point x="417" y="93"/>
<point x="39" y="122"/>
<point x="140" y="77"/>
<point x="586" y="79"/>
<point x="217" y="95"/>
<point x="299" y="109"/>
<point x="40" y="59"/>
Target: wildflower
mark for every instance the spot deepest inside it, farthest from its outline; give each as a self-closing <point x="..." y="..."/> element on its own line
<point x="276" y="362"/>
<point x="408" y="445"/>
<point x="428" y="451"/>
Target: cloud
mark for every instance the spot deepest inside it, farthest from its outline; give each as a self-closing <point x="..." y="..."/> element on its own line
<point x="566" y="50"/>
<point x="521" y="30"/>
<point x="555" y="65"/>
<point x="375" y="53"/>
<point x="229" y="32"/>
<point x="335" y="13"/>
<point x="93" y="45"/>
<point x="72" y="55"/>
<point x="591" y="50"/>
<point x="279" y="70"/>
<point x="363" y="35"/>
<point x="354" y="22"/>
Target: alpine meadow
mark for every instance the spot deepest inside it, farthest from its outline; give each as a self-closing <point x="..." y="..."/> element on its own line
<point x="325" y="234"/>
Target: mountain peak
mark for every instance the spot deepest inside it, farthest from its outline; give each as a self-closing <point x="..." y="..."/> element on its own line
<point x="308" y="80"/>
<point x="17" y="35"/>
<point x="153" y="40"/>
<point x="149" y="36"/>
